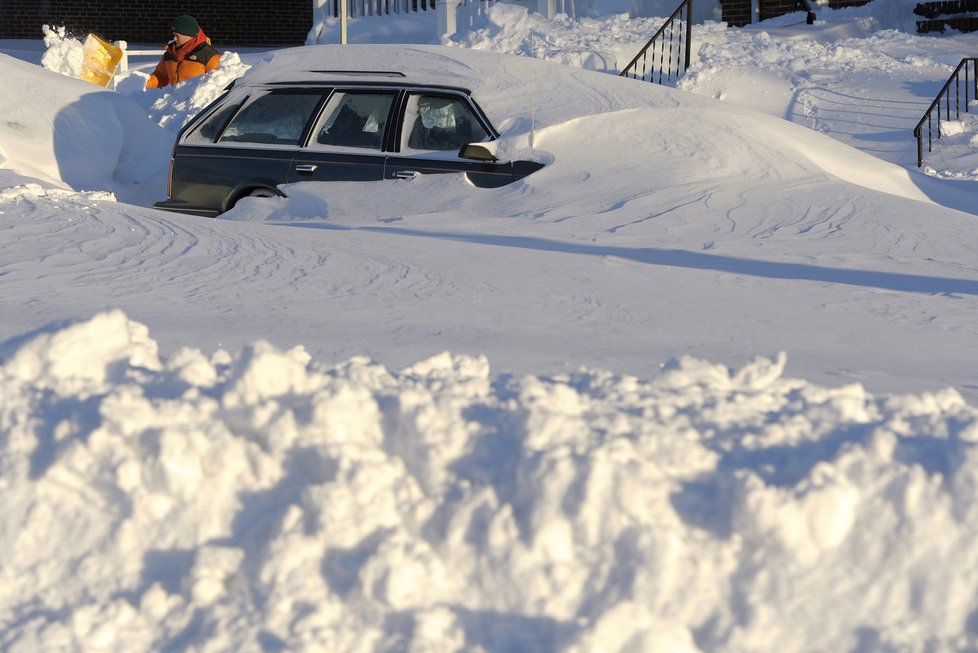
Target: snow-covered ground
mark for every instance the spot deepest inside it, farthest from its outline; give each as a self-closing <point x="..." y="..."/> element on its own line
<point x="704" y="383"/>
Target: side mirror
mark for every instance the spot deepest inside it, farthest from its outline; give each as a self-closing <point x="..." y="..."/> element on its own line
<point x="477" y="151"/>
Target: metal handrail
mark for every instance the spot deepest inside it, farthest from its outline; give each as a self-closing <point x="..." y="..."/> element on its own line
<point x="681" y="51"/>
<point x="970" y="84"/>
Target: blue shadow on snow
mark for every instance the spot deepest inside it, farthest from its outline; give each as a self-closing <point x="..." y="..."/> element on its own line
<point x="700" y="261"/>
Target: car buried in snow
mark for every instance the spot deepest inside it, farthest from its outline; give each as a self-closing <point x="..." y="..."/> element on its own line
<point x="293" y="123"/>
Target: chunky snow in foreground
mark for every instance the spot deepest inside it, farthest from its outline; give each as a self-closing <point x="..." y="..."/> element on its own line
<point x="262" y="501"/>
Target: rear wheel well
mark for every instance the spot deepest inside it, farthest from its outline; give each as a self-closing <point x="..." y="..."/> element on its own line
<point x="257" y="190"/>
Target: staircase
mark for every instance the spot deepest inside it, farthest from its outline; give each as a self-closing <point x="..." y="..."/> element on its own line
<point x="667" y="52"/>
<point x="955" y="97"/>
<point x="961" y="15"/>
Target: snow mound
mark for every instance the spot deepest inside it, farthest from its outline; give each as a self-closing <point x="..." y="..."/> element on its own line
<point x="605" y="44"/>
<point x="264" y="500"/>
<point x="174" y="106"/>
<point x="71" y="134"/>
<point x="30" y="193"/>
<point x="171" y="107"/>
<point x="63" y="54"/>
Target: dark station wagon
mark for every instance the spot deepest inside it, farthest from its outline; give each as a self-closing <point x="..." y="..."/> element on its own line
<point x="332" y="126"/>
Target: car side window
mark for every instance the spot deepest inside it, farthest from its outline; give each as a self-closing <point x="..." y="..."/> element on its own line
<point x="208" y="130"/>
<point x="355" y="119"/>
<point x="275" y="118"/>
<point x="439" y="123"/>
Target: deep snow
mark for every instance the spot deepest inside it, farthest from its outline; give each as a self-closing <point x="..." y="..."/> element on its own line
<point x="704" y="383"/>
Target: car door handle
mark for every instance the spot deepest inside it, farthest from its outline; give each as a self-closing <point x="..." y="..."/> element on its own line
<point x="406" y="174"/>
<point x="306" y="168"/>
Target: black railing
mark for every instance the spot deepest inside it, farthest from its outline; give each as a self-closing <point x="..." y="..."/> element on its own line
<point x="943" y="100"/>
<point x="675" y="34"/>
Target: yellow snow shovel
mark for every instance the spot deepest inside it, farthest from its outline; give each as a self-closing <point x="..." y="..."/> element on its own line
<point x="100" y="60"/>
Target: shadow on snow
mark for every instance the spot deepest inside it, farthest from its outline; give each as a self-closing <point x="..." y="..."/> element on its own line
<point x="698" y="261"/>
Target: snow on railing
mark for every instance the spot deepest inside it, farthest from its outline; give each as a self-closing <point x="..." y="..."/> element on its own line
<point x="943" y="104"/>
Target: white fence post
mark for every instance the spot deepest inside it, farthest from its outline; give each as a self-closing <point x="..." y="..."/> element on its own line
<point x="124" y="62"/>
<point x="547" y="7"/>
<point x="447" y="16"/>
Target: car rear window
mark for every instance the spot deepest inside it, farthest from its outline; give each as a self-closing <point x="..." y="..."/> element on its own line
<point x="273" y="118"/>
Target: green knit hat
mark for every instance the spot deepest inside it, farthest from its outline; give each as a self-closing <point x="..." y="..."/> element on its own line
<point x="186" y="25"/>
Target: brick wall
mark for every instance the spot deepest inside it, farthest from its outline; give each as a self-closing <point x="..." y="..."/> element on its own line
<point x="940" y="15"/>
<point x="771" y="8"/>
<point x="227" y="22"/>
<point x="738" y="12"/>
<point x="945" y="8"/>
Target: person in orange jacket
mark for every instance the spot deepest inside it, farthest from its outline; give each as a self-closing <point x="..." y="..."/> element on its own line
<point x="188" y="55"/>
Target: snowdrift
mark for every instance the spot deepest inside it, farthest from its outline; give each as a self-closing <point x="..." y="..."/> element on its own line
<point x="70" y="134"/>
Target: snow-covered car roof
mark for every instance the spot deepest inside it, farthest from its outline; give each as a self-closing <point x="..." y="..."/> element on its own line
<point x="509" y="88"/>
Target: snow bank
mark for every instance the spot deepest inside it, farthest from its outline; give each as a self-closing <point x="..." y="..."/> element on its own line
<point x="760" y="69"/>
<point x="68" y="133"/>
<point x="266" y="501"/>
<point x="606" y="44"/>
<point x="171" y="107"/>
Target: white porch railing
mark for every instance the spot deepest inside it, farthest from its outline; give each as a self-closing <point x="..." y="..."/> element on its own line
<point x="126" y="53"/>
<point x="453" y="15"/>
<point x="361" y="8"/>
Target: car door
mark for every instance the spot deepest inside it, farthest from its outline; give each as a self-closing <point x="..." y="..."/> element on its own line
<point x="347" y="141"/>
<point x="435" y="127"/>
<point x="255" y="148"/>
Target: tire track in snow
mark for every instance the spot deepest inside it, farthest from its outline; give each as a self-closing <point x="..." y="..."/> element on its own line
<point x="118" y="255"/>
